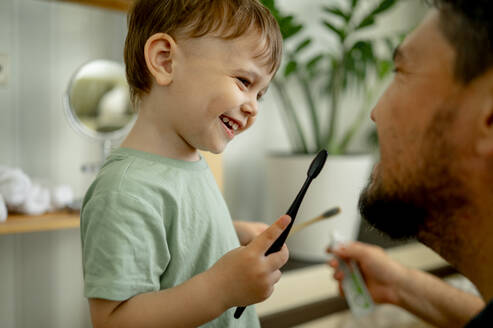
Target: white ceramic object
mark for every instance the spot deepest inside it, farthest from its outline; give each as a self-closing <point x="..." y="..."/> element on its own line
<point x="339" y="184"/>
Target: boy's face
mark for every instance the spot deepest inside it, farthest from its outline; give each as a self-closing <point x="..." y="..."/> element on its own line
<point x="216" y="87"/>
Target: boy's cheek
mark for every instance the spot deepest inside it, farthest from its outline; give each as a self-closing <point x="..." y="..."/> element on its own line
<point x="250" y="122"/>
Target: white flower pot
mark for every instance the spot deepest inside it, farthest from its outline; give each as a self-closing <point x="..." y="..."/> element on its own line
<point x="339" y="184"/>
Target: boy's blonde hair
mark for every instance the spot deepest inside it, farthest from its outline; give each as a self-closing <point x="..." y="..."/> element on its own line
<point x="228" y="19"/>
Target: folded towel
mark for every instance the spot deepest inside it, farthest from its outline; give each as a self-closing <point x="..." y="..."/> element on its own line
<point x="37" y="202"/>
<point x="21" y="195"/>
<point x="61" y="197"/>
<point x="14" y="185"/>
<point x="3" y="210"/>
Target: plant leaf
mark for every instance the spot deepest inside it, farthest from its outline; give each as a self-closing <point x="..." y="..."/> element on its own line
<point x="354" y="3"/>
<point x="291" y="67"/>
<point x="288" y="26"/>
<point x="368" y="21"/>
<point x="340" y="33"/>
<point x="383" y="6"/>
<point x="338" y="12"/>
<point x="383" y="68"/>
<point x="269" y="4"/>
<point x="291" y="31"/>
<point x="302" y="45"/>
<point x="370" y="18"/>
<point x="312" y="63"/>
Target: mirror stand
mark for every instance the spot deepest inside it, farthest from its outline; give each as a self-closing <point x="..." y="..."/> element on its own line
<point x="106" y="146"/>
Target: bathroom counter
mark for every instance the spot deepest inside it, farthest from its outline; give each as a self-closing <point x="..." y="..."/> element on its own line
<point x="18" y="223"/>
<point x="309" y="293"/>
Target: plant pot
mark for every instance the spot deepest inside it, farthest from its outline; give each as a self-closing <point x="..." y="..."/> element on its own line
<point x="339" y="184"/>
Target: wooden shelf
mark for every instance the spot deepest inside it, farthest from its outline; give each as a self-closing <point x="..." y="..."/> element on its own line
<point x="17" y="223"/>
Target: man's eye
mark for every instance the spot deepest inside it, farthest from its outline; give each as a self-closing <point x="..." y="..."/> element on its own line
<point x="244" y="81"/>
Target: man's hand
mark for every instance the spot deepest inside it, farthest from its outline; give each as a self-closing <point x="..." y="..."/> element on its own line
<point x="416" y="291"/>
<point x="245" y="275"/>
<point x="382" y="274"/>
<point x="247" y="231"/>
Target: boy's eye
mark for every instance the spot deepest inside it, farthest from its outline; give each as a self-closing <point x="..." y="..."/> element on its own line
<point x="244" y="81"/>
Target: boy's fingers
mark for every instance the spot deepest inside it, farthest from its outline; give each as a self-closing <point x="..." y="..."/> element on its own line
<point x="263" y="241"/>
<point x="278" y="259"/>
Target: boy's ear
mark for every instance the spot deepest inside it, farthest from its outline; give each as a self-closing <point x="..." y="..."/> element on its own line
<point x="484" y="145"/>
<point x="159" y="51"/>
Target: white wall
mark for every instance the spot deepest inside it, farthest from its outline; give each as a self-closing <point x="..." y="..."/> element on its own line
<point x="40" y="273"/>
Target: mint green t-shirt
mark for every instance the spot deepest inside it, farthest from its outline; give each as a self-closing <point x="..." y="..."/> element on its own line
<point x="149" y="223"/>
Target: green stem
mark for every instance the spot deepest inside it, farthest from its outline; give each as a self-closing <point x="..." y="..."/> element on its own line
<point x="291" y="115"/>
<point x="355" y="126"/>
<point x="313" y="109"/>
<point x="334" y="110"/>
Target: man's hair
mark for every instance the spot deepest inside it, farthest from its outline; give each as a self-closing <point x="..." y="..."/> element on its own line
<point x="227" y="19"/>
<point x="468" y="26"/>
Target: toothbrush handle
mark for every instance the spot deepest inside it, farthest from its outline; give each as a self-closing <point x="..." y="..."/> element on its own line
<point x="239" y="311"/>
<point x="277" y="245"/>
<point x="292" y="212"/>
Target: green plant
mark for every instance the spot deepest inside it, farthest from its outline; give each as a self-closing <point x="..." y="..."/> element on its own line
<point x="325" y="77"/>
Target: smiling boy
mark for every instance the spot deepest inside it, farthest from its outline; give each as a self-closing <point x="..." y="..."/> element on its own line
<point x="159" y="245"/>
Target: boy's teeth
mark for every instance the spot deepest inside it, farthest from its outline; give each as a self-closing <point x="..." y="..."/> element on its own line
<point x="230" y="123"/>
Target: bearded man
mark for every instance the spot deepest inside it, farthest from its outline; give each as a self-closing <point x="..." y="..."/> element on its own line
<point x="434" y="180"/>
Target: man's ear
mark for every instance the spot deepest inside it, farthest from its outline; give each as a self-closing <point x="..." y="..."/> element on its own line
<point x="484" y="145"/>
<point x="159" y="52"/>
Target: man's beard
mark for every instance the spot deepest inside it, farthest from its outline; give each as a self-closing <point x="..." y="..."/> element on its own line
<point x="425" y="203"/>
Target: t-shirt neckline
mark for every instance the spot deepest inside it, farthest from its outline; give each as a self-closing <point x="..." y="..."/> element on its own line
<point x="178" y="163"/>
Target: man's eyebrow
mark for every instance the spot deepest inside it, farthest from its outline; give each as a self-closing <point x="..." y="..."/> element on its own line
<point x="398" y="55"/>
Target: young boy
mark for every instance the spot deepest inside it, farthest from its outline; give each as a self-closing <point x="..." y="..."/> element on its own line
<point x="159" y="245"/>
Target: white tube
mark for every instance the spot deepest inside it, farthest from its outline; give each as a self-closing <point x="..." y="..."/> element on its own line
<point x="357" y="295"/>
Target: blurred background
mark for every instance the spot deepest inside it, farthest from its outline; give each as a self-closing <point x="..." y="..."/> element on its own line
<point x="43" y="47"/>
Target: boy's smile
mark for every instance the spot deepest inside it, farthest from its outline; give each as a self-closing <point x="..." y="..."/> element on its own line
<point x="230" y="125"/>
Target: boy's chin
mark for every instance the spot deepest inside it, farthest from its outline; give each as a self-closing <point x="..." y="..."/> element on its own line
<point x="216" y="149"/>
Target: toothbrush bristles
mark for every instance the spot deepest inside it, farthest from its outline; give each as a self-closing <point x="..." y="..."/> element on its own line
<point x="331" y="212"/>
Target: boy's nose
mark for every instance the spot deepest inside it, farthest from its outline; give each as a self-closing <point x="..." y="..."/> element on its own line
<point x="250" y="108"/>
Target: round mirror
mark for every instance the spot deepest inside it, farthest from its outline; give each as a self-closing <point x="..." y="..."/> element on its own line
<point x="97" y="101"/>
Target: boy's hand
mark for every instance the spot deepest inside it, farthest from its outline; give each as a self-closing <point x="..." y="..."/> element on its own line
<point x="382" y="275"/>
<point x="247" y="231"/>
<point x="245" y="275"/>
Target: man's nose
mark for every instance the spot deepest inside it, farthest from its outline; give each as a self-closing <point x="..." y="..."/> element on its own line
<point x="373" y="114"/>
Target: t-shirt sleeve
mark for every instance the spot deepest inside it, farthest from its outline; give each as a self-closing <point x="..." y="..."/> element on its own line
<point x="124" y="247"/>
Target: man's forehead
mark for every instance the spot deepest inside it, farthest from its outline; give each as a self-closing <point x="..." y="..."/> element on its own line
<point x="426" y="45"/>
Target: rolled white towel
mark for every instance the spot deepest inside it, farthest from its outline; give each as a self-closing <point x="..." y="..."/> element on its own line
<point x="3" y="210"/>
<point x="38" y="201"/>
<point x="61" y="196"/>
<point x="14" y="185"/>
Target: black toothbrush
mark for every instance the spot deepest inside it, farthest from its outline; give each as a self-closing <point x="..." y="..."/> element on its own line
<point x="315" y="168"/>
